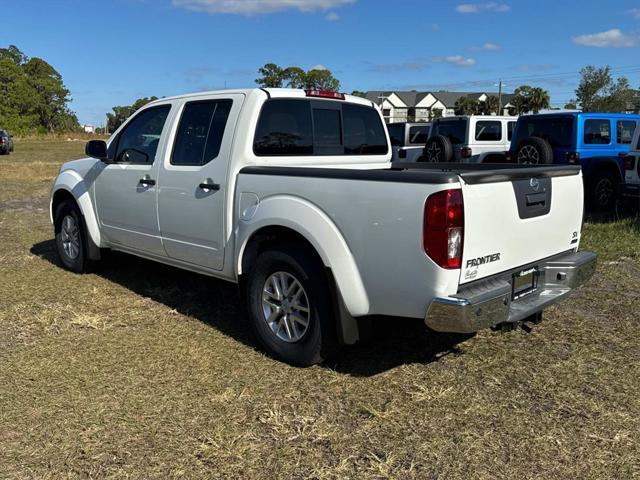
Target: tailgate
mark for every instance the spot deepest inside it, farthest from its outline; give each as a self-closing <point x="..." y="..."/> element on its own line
<point x="516" y="217"/>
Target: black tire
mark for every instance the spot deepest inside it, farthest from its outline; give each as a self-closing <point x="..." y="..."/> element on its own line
<point x="76" y="262"/>
<point x="601" y="190"/>
<point x="534" y="151"/>
<point x="438" y="149"/>
<point x="319" y="341"/>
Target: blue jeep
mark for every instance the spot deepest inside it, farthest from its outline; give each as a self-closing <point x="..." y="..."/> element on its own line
<point x="598" y="141"/>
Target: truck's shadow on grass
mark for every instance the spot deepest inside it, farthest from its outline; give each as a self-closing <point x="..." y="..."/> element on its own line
<point x="393" y="342"/>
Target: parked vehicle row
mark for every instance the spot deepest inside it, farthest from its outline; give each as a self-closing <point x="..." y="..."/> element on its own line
<point x="598" y="142"/>
<point x="292" y="195"/>
<point x="469" y="139"/>
<point x="6" y="142"/>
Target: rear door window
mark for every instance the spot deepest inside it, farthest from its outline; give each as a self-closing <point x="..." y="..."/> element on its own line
<point x="488" y="131"/>
<point x="454" y="130"/>
<point x="418" y="134"/>
<point x="510" y="127"/>
<point x="597" y="132"/>
<point x="200" y="132"/>
<point x="624" y="131"/>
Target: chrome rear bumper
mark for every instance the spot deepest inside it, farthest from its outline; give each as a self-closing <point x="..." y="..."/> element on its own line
<point x="489" y="303"/>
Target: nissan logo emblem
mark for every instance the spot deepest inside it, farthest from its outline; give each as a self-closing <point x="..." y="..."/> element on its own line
<point x="535" y="184"/>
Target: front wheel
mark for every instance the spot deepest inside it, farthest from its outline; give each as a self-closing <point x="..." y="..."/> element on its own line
<point x="71" y="237"/>
<point x="289" y="306"/>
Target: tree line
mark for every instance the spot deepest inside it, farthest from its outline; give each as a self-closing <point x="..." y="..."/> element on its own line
<point x="33" y="97"/>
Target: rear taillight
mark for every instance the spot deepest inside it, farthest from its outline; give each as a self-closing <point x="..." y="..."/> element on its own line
<point x="443" y="228"/>
<point x="2" y="140"/>
<point x="629" y="162"/>
<point x="466" y="152"/>
<point x="573" y="157"/>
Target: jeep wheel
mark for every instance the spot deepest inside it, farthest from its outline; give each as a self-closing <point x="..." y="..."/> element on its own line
<point x="289" y="306"/>
<point x="438" y="150"/>
<point x="534" y="151"/>
<point x="602" y="192"/>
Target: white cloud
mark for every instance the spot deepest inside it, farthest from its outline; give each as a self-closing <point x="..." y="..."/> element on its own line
<point x="332" y="17"/>
<point x="482" y="7"/>
<point x="635" y="12"/>
<point x="258" y="7"/>
<point x="614" y="38"/>
<point x="458" y="60"/>
<point x="486" y="46"/>
<point x="318" y="67"/>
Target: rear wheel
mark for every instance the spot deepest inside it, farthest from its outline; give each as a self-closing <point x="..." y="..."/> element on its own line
<point x="601" y="191"/>
<point x="289" y="305"/>
<point x="71" y="237"/>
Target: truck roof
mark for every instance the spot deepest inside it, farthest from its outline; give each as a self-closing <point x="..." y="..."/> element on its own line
<point x="271" y="92"/>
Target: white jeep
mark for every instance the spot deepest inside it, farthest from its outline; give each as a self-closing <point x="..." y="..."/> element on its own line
<point x="469" y="139"/>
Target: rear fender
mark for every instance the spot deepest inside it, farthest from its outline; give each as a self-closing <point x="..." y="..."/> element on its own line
<point x="317" y="228"/>
<point x="594" y="164"/>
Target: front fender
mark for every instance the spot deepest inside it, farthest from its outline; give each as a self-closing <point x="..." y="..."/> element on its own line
<point x="314" y="225"/>
<point x="73" y="183"/>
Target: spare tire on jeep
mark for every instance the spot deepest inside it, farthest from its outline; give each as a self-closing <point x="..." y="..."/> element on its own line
<point x="534" y="151"/>
<point x="437" y="150"/>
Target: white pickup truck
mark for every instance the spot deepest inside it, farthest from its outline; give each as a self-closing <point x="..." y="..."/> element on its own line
<point x="291" y="194"/>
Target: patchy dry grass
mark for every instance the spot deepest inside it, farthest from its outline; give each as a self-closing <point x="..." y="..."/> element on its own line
<point x="144" y="371"/>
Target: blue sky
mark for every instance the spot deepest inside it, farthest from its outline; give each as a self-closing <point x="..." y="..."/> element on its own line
<point x="114" y="51"/>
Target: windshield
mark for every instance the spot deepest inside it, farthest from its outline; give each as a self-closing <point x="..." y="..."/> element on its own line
<point x="558" y="131"/>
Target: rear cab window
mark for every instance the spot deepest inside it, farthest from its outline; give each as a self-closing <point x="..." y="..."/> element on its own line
<point x="455" y="130"/>
<point x="300" y="127"/>
<point x="597" y="132"/>
<point x="488" y="131"/>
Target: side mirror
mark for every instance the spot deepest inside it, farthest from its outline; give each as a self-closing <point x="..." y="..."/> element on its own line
<point x="96" y="149"/>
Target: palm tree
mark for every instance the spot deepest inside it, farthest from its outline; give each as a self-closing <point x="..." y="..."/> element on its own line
<point x="466" y="106"/>
<point x="490" y="106"/>
<point x="538" y="99"/>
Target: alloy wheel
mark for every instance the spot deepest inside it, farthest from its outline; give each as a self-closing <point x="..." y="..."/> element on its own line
<point x="285" y="306"/>
<point x="70" y="234"/>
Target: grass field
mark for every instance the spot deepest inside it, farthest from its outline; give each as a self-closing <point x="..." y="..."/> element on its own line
<point x="145" y="371"/>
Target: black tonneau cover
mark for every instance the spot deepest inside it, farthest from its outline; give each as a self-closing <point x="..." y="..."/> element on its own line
<point x="433" y="173"/>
